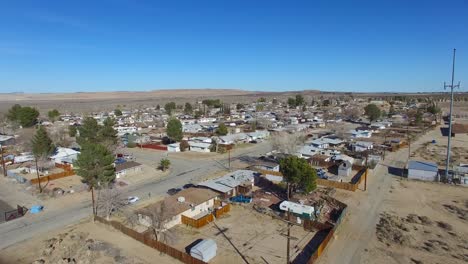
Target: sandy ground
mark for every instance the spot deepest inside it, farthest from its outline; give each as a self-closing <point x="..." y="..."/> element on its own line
<point x="364" y="208"/>
<point x="75" y="242"/>
<point x="432" y="228"/>
<point x="437" y="152"/>
<point x="255" y="235"/>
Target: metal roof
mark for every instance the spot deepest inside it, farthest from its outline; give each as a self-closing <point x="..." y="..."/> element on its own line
<point x="229" y="181"/>
<point x="422" y="165"/>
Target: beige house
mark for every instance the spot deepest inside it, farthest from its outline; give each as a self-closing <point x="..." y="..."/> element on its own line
<point x="194" y="203"/>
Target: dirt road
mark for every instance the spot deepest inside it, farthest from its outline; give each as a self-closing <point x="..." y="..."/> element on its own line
<point x="356" y="231"/>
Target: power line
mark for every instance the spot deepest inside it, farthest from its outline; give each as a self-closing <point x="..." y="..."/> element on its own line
<point x="451" y="86"/>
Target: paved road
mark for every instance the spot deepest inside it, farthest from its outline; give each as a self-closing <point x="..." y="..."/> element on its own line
<point x="183" y="171"/>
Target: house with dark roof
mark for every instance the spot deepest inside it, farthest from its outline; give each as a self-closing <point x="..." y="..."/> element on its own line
<point x="125" y="168"/>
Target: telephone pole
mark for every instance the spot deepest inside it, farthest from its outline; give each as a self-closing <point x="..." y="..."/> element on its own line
<point x="451" y="86"/>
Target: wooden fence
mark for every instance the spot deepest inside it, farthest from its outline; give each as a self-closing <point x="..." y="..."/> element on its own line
<point x="197" y="223"/>
<point x="152" y="146"/>
<point x="326" y="231"/>
<point x="223" y="210"/>
<point x="68" y="171"/>
<point x="149" y="241"/>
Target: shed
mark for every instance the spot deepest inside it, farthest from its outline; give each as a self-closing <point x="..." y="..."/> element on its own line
<point x="205" y="250"/>
<point x="423" y="170"/>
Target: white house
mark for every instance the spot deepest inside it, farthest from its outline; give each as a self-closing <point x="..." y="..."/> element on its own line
<point x="360" y="146"/>
<point x="423" y="170"/>
<point x="64" y="155"/>
<point x="302" y="210"/>
<point x="345" y="169"/>
<point x="174" y="147"/>
<point x="199" y="146"/>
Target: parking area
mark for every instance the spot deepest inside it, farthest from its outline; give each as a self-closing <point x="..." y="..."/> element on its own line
<point x="260" y="238"/>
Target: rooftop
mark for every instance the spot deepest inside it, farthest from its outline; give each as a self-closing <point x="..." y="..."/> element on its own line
<point x="422" y="165"/>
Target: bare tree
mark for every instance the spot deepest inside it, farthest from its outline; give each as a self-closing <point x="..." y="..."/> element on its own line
<point x="159" y="216"/>
<point x="264" y="122"/>
<point x="109" y="201"/>
<point x="339" y="130"/>
<point x="352" y="113"/>
<point x="287" y="143"/>
<point x="59" y="135"/>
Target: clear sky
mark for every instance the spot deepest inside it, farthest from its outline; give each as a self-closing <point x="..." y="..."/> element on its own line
<point x="108" y="45"/>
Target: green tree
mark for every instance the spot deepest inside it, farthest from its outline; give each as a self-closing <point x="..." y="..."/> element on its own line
<point x="188" y="109"/>
<point x="95" y="166"/>
<point x="372" y="112"/>
<point x="262" y="100"/>
<point x="275" y="101"/>
<point x="291" y="102"/>
<point x="117" y="112"/>
<point x="259" y="108"/>
<point x="88" y="132"/>
<point x="53" y="115"/>
<point x="42" y="147"/>
<point x="14" y="112"/>
<point x="418" y="119"/>
<point x="326" y="102"/>
<point x="299" y="100"/>
<point x="298" y="174"/>
<point x="25" y="116"/>
<point x="222" y="130"/>
<point x="239" y="106"/>
<point x="107" y="135"/>
<point x="28" y="116"/>
<point x="72" y="131"/>
<point x="164" y="164"/>
<point x="174" y="129"/>
<point x="170" y="107"/>
<point x="158" y="107"/>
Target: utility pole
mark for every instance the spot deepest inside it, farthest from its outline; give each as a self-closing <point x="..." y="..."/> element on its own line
<point x="451" y="86"/>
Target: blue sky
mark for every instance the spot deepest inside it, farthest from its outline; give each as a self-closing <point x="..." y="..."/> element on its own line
<point x="109" y="45"/>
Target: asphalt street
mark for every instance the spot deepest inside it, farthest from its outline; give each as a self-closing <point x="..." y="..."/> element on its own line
<point x="183" y="171"/>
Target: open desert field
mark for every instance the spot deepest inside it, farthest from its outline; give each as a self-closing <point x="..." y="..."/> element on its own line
<point x="86" y="242"/>
<point x="421" y="222"/>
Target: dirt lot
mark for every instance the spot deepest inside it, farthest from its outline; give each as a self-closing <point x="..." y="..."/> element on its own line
<point x="86" y="242"/>
<point x="256" y="236"/>
<point x="433" y="228"/>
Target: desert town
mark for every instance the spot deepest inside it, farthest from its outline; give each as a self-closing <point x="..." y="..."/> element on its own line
<point x="295" y="178"/>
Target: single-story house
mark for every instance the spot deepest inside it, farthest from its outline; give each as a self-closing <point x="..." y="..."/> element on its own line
<point x="7" y="140"/>
<point x="267" y="164"/>
<point x="345" y="168"/>
<point x="199" y="146"/>
<point x="423" y="170"/>
<point x="232" y="184"/>
<point x="361" y="134"/>
<point x="360" y="146"/>
<point x="191" y="202"/>
<point x="174" y="147"/>
<point x="125" y="168"/>
<point x="64" y="155"/>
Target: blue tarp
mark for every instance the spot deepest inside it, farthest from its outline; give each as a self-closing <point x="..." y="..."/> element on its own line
<point x="36" y="209"/>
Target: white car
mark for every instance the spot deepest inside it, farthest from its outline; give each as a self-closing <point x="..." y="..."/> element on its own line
<point x="133" y="199"/>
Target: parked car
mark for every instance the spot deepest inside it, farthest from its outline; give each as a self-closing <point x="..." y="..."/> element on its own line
<point x="173" y="191"/>
<point x="132" y="199"/>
